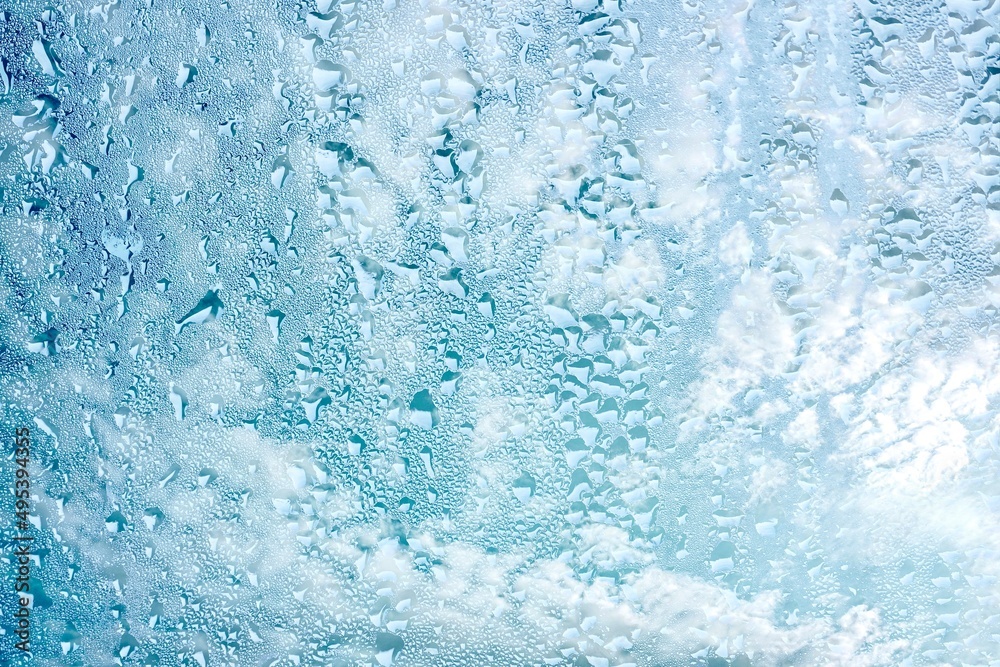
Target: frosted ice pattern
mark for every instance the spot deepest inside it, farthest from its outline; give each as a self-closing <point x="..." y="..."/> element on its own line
<point x="591" y="332"/>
